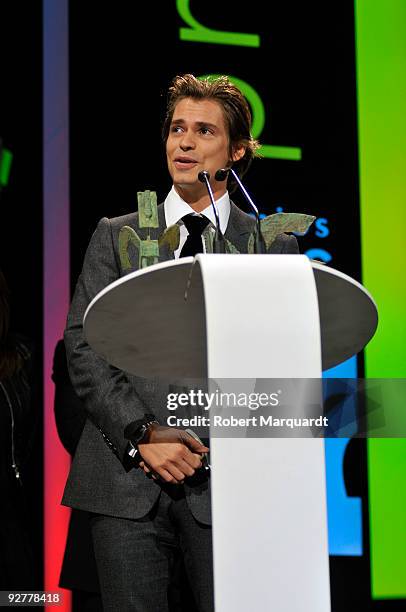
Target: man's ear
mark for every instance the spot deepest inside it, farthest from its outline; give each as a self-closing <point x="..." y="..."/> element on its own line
<point x="238" y="152"/>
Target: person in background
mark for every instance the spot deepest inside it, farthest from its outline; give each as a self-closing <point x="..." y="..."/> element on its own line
<point x="18" y="428"/>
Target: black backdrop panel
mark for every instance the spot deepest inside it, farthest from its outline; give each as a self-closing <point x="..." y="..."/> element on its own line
<point x="21" y="227"/>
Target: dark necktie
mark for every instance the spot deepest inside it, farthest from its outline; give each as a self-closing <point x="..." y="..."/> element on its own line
<point x="195" y="226"/>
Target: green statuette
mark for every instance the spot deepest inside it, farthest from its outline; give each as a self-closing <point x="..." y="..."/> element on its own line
<point x="126" y="237"/>
<point x="208" y="237"/>
<point x="147" y="209"/>
<point x="148" y="250"/>
<point x="149" y="253"/>
<point x="170" y="238"/>
<point x="276" y="224"/>
<point x="230" y="248"/>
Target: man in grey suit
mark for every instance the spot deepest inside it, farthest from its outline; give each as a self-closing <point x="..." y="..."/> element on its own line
<point x="145" y="509"/>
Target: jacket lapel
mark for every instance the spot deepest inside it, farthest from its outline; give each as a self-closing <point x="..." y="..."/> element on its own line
<point x="240" y="226"/>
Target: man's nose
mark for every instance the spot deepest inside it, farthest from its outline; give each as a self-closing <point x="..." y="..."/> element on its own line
<point x="187" y="141"/>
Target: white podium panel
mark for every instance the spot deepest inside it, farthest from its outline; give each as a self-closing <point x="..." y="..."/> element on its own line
<point x="268" y="495"/>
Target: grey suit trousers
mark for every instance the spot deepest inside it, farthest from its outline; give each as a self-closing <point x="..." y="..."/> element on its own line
<point x="136" y="557"/>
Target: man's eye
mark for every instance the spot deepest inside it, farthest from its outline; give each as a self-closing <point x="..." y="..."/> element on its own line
<point x="176" y="129"/>
<point x="205" y="130"/>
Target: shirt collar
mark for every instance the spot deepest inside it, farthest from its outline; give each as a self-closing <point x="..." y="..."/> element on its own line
<point x="175" y="208"/>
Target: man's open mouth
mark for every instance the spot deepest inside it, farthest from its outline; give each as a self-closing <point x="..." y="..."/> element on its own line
<point x="184" y="162"/>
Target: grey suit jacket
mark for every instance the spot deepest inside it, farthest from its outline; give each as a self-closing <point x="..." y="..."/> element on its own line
<point x="98" y="481"/>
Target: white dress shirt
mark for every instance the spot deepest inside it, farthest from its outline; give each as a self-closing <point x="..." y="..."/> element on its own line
<point x="175" y="208"/>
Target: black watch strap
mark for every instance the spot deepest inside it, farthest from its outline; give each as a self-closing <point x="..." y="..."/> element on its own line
<point x="136" y="430"/>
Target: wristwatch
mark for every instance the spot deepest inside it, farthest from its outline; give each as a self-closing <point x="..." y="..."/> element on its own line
<point x="134" y="432"/>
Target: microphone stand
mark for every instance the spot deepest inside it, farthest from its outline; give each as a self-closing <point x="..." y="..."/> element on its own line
<point x="259" y="245"/>
<point x="219" y="245"/>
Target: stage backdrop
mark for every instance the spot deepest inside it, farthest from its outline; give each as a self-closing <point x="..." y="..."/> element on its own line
<point x="326" y="85"/>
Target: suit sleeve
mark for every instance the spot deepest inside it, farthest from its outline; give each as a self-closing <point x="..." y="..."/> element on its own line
<point x="110" y="401"/>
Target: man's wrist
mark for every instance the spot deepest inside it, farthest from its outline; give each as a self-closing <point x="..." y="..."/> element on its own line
<point x="137" y="432"/>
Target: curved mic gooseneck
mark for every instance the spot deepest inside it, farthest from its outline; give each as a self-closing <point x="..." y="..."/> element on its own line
<point x="259" y="245"/>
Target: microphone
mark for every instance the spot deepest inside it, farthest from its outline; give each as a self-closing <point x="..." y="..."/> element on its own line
<point x="259" y="245"/>
<point x="219" y="245"/>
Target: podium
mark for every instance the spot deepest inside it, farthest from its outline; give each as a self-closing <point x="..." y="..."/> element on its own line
<point x="233" y="319"/>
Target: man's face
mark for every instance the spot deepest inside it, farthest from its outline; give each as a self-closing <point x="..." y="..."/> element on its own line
<point x="198" y="140"/>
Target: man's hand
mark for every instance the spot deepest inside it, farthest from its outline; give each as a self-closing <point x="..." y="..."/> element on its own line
<point x="170" y="453"/>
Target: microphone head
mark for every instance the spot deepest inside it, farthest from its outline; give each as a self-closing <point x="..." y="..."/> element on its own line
<point x="203" y="176"/>
<point x="222" y="174"/>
